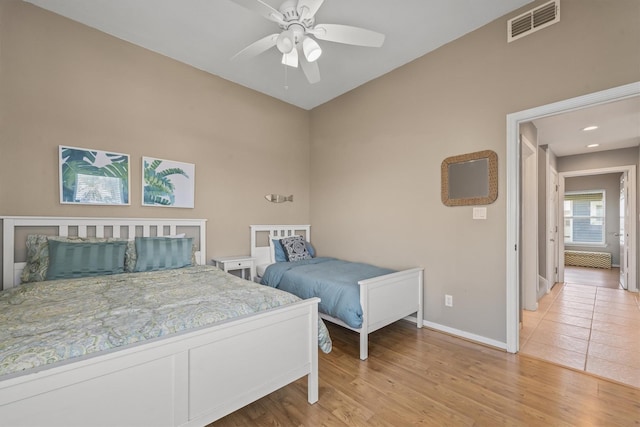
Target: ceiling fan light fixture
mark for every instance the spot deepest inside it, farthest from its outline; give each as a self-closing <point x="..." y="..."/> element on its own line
<point x="285" y="42"/>
<point x="291" y="58"/>
<point x="311" y="49"/>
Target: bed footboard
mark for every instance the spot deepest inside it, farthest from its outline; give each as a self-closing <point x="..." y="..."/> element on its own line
<point x="386" y="299"/>
<point x="189" y="379"/>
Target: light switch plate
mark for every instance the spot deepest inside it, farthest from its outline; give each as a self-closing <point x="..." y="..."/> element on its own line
<point x="479" y="213"/>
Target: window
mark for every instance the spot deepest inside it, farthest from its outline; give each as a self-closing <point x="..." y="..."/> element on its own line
<point x="584" y="217"/>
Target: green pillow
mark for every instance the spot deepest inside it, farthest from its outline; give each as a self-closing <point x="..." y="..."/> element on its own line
<point x="162" y="253"/>
<point x="69" y="260"/>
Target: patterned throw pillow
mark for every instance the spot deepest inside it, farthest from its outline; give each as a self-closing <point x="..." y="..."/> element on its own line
<point x="295" y="248"/>
<point x="278" y="254"/>
<point x="37" y="259"/>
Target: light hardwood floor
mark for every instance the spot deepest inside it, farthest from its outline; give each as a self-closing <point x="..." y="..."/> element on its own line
<point x="423" y="377"/>
<point x="587" y="323"/>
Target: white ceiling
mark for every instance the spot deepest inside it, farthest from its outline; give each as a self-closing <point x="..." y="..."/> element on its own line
<point x="618" y="127"/>
<point x="207" y="33"/>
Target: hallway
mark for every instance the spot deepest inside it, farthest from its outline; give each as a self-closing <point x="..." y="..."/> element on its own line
<point x="587" y="323"/>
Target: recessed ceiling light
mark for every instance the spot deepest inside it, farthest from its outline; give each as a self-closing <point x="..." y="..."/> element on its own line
<point x="593" y="145"/>
<point x="588" y="128"/>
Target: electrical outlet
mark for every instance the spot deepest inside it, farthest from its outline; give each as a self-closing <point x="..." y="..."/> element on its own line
<point x="448" y="300"/>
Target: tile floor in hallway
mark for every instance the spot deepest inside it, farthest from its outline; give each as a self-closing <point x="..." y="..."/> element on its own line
<point x="586" y="327"/>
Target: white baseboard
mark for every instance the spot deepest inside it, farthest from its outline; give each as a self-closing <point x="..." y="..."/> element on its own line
<point x="466" y="335"/>
<point x="458" y="333"/>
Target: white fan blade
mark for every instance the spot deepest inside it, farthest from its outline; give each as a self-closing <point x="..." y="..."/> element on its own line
<point x="261" y="8"/>
<point x="310" y="69"/>
<point x="348" y="35"/>
<point x="308" y="8"/>
<point x="256" y="48"/>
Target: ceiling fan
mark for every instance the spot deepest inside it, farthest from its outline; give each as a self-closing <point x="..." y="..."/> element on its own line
<point x="296" y="39"/>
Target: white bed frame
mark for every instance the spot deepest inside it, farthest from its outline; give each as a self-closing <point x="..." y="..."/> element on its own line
<point x="384" y="299"/>
<point x="188" y="379"/>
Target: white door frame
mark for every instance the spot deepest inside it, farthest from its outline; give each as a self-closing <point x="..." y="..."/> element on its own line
<point x="514" y="120"/>
<point x="552" y="232"/>
<point x="529" y="243"/>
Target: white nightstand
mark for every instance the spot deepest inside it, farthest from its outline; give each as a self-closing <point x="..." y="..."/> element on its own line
<point x="230" y="263"/>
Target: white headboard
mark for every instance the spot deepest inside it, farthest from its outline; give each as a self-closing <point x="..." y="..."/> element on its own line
<point x="100" y="227"/>
<point x="262" y="254"/>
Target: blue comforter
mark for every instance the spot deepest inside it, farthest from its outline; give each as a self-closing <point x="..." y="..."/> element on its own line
<point x="334" y="281"/>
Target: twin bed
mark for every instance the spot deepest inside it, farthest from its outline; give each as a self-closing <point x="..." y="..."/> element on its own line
<point x="175" y="347"/>
<point x="378" y="297"/>
<point x="168" y="370"/>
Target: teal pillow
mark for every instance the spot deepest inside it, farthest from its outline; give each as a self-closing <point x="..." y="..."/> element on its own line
<point x="278" y="251"/>
<point x="68" y="260"/>
<point x="310" y="249"/>
<point x="162" y="253"/>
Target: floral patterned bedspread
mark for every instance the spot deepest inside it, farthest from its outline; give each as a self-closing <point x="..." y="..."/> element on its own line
<point x="48" y="322"/>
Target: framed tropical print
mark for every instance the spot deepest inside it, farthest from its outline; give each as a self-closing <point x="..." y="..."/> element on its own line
<point x="167" y="183"/>
<point x="93" y="177"/>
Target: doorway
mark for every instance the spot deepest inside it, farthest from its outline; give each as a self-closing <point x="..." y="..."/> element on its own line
<point x="513" y="193"/>
<point x="623" y="193"/>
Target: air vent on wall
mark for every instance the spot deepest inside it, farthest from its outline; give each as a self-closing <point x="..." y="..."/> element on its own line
<point x="533" y="20"/>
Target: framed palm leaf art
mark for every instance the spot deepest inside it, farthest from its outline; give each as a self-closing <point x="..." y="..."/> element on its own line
<point x="93" y="177"/>
<point x="167" y="183"/>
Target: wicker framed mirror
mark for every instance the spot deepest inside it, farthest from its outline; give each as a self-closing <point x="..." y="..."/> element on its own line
<point x="470" y="179"/>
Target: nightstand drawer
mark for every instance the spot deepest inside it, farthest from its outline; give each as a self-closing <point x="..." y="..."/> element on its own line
<point x="239" y="264"/>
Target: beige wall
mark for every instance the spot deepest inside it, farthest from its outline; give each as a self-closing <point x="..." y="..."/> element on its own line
<point x="62" y="83"/>
<point x="376" y="151"/>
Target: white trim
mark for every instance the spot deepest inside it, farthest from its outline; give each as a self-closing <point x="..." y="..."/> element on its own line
<point x="529" y="241"/>
<point x="513" y="181"/>
<point x="464" y="334"/>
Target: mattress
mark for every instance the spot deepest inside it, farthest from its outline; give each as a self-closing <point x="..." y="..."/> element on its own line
<point x="49" y="322"/>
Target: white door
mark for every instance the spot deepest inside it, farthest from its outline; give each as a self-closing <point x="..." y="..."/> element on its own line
<point x="552" y="229"/>
<point x="624" y="220"/>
